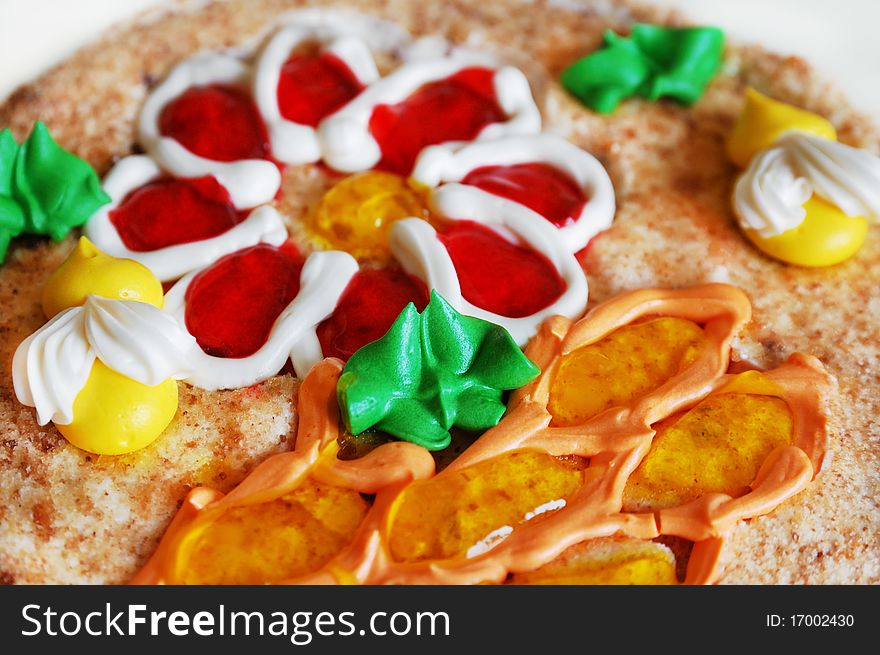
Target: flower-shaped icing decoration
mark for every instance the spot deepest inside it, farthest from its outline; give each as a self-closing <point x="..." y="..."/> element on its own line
<point x="254" y="309"/>
<point x="103" y="369"/>
<point x="144" y="220"/>
<point x="298" y="517"/>
<point x="392" y="120"/>
<point x="647" y="354"/>
<point x="652" y="62"/>
<point x="541" y="176"/>
<point x="548" y="502"/>
<point x="429" y="372"/>
<point x="803" y="198"/>
<point x="201" y="121"/>
<point x="43" y="188"/>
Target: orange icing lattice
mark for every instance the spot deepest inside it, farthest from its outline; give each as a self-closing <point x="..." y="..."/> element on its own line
<point x="549" y="477"/>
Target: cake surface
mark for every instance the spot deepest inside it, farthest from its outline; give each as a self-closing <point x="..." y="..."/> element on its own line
<point x="67" y="516"/>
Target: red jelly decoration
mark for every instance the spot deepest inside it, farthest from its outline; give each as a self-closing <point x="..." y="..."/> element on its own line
<point x="454" y="109"/>
<point x="169" y="212"/>
<point x="314" y="86"/>
<point x="216" y="121"/>
<point x="232" y="306"/>
<point x="367" y="308"/>
<point x="497" y="275"/>
<point x="539" y="186"/>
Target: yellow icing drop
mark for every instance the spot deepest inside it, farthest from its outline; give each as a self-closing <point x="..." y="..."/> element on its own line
<point x="114" y="415"/>
<point x="826" y="237"/>
<point x="763" y="120"/>
<point x="87" y="270"/>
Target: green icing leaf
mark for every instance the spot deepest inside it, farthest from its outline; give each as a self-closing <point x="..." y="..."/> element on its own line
<point x="652" y="62"/>
<point x="43" y="188"/>
<point x="429" y="372"/>
<point x="57" y="190"/>
<point x="11" y="216"/>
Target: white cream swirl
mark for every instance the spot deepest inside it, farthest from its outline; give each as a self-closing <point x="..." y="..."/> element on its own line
<point x="138" y="340"/>
<point x="135" y="339"/>
<point x="51" y="366"/>
<point x="770" y="194"/>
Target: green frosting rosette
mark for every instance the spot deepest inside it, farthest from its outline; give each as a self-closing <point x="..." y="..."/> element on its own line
<point x="429" y="372"/>
<point x="652" y="62"/>
<point x="43" y="188"/>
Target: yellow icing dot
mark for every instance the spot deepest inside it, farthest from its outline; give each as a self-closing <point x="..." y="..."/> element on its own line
<point x="716" y="447"/>
<point x="274" y="541"/>
<point x="448" y="515"/>
<point x="763" y="120"/>
<point x="357" y="213"/>
<point x="627" y="364"/>
<point x="114" y="415"/>
<point x="87" y="270"/>
<point x="826" y="237"/>
<point x="607" y="562"/>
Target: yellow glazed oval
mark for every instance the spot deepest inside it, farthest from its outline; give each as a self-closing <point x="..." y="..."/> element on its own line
<point x="763" y="120"/>
<point x="114" y="415"/>
<point x="87" y="270"/>
<point x="826" y="237"/>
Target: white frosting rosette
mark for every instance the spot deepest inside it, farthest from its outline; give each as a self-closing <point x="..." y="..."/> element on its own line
<point x="135" y="339"/>
<point x="323" y="278"/>
<point x="250" y="182"/>
<point x="769" y="195"/>
<point x="348" y="145"/>
<point x="263" y="225"/>
<point x="446" y="165"/>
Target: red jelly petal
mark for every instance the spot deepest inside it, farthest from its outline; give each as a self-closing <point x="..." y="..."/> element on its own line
<point x="232" y="306"/>
<point x="497" y="275"/>
<point x="454" y="109"/>
<point x="217" y="122"/>
<point x="314" y="86"/>
<point x="367" y="308"/>
<point x="170" y="212"/>
<point x="539" y="186"/>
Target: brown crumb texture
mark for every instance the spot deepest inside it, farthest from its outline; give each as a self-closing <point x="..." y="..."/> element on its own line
<point x="66" y="516"/>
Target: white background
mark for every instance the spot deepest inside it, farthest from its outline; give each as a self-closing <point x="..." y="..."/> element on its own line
<point x="839" y="37"/>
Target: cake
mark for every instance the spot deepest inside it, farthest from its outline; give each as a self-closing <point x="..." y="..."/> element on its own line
<point x="653" y="245"/>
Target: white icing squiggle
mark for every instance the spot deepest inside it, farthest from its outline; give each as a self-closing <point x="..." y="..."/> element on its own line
<point x="324" y="277"/>
<point x="263" y="225"/>
<point x="770" y="194"/>
<point x="135" y="339"/>
<point x="250" y="182"/>
<point x="345" y="136"/>
<point x="447" y="164"/>
<point x="415" y="245"/>
<point x="294" y="143"/>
